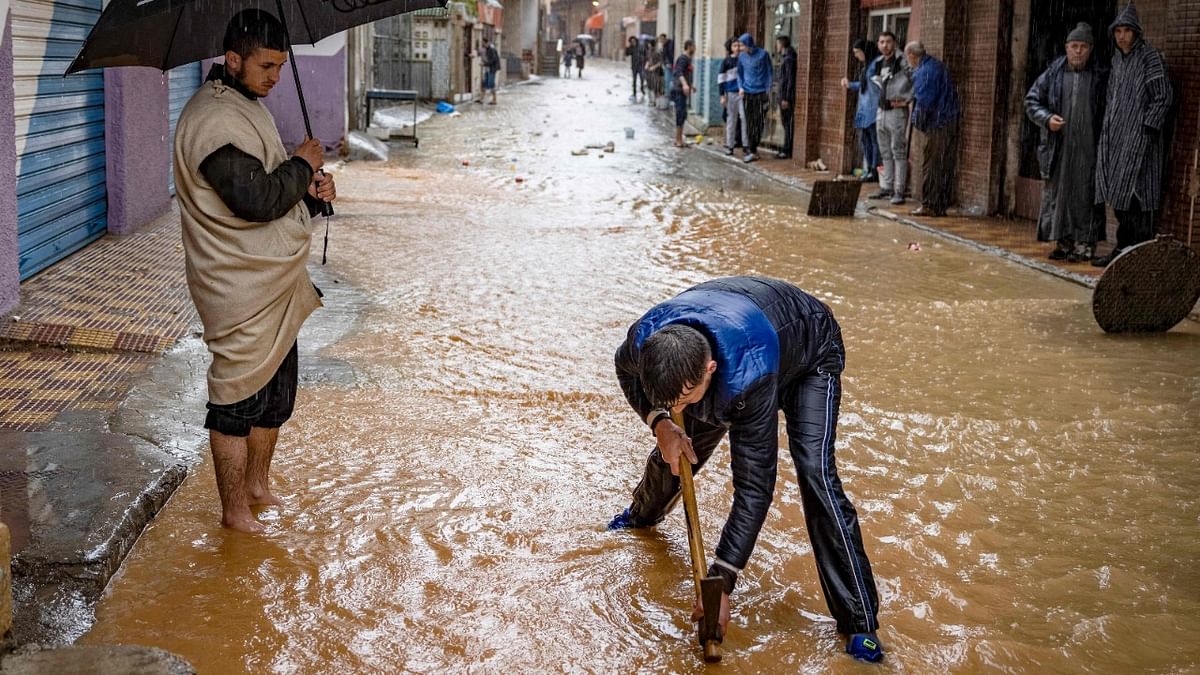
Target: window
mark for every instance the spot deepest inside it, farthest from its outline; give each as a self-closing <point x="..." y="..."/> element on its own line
<point x="894" y="20"/>
<point x="784" y="15"/>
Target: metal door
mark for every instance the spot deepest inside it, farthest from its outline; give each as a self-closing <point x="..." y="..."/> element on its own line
<point x="61" y="200"/>
<point x="181" y="84"/>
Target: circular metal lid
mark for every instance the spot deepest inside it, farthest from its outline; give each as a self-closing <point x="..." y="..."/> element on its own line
<point x="1148" y="288"/>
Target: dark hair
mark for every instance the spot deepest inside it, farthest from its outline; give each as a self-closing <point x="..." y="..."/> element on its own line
<point x="688" y="43"/>
<point x="672" y="359"/>
<point x="887" y="33"/>
<point x="787" y="41"/>
<point x="870" y="51"/>
<point x="253" y="29"/>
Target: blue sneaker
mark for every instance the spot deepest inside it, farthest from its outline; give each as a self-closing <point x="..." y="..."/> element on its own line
<point x="865" y="647"/>
<point x="624" y="521"/>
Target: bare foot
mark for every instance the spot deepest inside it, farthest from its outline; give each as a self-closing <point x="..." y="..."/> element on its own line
<point x="244" y="523"/>
<point x="262" y="497"/>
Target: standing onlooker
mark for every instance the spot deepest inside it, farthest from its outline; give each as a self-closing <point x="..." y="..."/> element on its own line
<point x="667" y="47"/>
<point x="580" y="52"/>
<point x="246" y="210"/>
<point x="754" y="81"/>
<point x="654" y="72"/>
<point x="731" y="100"/>
<point x="1129" y="161"/>
<point x="636" y="63"/>
<point x="682" y="82"/>
<point x="787" y="92"/>
<point x="1067" y="102"/>
<point x="895" y="91"/>
<point x="568" y="58"/>
<point x="935" y="114"/>
<point x="491" y="65"/>
<point x="868" y="106"/>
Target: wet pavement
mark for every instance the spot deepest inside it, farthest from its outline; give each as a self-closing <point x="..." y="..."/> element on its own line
<point x="1025" y="482"/>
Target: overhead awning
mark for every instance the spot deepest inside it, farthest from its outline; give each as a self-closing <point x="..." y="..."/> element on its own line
<point x="594" y="22"/>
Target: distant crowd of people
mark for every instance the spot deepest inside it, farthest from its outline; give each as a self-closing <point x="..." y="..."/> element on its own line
<point x="1101" y="133"/>
<point x="1101" y="124"/>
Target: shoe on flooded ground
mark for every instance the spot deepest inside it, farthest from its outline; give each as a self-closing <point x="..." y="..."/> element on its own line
<point x="865" y="647"/>
<point x="869" y="178"/>
<point x="1081" y="253"/>
<point x="623" y="521"/>
<point x="1059" y="253"/>
<point x="882" y="193"/>
<point x="897" y="199"/>
<point x="729" y="151"/>
<point x="750" y="157"/>
<point x="1103" y="261"/>
<point x="927" y="212"/>
<point x="783" y="155"/>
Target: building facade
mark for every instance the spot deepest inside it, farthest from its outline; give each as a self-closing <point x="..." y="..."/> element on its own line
<point x="91" y="152"/>
<point x="994" y="49"/>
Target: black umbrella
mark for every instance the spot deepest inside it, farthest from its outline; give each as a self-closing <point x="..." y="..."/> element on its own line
<point x="167" y="33"/>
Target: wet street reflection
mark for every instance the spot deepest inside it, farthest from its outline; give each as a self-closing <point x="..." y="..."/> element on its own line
<point x="1026" y="483"/>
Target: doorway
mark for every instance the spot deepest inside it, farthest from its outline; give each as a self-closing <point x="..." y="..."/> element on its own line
<point x="1049" y="23"/>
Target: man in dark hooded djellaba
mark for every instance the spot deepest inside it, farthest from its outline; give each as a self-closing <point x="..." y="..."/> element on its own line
<point x="1129" y="161"/>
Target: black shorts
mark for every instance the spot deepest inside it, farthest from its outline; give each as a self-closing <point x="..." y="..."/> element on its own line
<point x="268" y="409"/>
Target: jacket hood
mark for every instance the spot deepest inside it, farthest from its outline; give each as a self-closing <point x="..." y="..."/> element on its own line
<point x="748" y="40"/>
<point x="1127" y="17"/>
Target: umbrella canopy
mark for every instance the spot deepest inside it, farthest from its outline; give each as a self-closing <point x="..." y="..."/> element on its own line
<point x="585" y="36"/>
<point x="594" y="22"/>
<point x="167" y="33"/>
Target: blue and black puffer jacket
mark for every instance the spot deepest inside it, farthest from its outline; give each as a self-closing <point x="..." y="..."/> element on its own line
<point x="765" y="335"/>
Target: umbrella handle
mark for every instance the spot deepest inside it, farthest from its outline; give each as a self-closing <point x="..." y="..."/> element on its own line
<point x="326" y="207"/>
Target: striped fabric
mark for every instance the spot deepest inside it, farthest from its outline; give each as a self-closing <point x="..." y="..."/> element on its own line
<point x="1130" y="157"/>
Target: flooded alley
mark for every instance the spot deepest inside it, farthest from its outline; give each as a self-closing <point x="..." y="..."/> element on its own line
<point x="1026" y="483"/>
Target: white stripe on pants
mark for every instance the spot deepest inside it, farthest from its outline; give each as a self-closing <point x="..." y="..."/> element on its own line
<point x="735" y="126"/>
<point x="892" y="133"/>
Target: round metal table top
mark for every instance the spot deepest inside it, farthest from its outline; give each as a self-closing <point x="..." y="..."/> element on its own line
<point x="1149" y="288"/>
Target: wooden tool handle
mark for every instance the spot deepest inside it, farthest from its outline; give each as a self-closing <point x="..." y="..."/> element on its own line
<point x="712" y="650"/>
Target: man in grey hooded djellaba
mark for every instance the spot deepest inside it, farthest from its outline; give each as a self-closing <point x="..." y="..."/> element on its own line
<point x="1129" y="161"/>
<point x="1067" y="102"/>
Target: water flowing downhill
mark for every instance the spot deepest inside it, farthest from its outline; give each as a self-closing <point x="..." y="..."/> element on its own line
<point x="1026" y="483"/>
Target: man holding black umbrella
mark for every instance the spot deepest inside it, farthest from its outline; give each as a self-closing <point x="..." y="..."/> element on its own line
<point x="246" y="210"/>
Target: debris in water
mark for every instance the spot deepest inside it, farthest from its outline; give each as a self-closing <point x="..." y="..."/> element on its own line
<point x="914" y="246"/>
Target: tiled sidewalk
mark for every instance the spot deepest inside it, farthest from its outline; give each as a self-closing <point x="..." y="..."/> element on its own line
<point x="88" y="325"/>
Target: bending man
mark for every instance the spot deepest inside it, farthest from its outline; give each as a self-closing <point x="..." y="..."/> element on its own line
<point x="730" y="354"/>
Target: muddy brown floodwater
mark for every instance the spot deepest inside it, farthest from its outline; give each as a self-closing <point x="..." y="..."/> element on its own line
<point x="1027" y="484"/>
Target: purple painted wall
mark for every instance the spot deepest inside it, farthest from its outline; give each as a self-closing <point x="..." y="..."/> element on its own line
<point x="324" y="81"/>
<point x="10" y="277"/>
<point x="136" y="146"/>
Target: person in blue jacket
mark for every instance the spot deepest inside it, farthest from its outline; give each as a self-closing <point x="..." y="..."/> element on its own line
<point x="935" y="114"/>
<point x="729" y="354"/>
<point x="754" y="85"/>
<point x="867" y="91"/>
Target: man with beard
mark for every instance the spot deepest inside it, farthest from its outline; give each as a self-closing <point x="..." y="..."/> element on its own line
<point x="1129" y="161"/>
<point x="246" y="209"/>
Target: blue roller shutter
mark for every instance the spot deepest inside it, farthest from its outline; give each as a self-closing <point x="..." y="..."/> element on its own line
<point x="184" y="81"/>
<point x="61" y="200"/>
